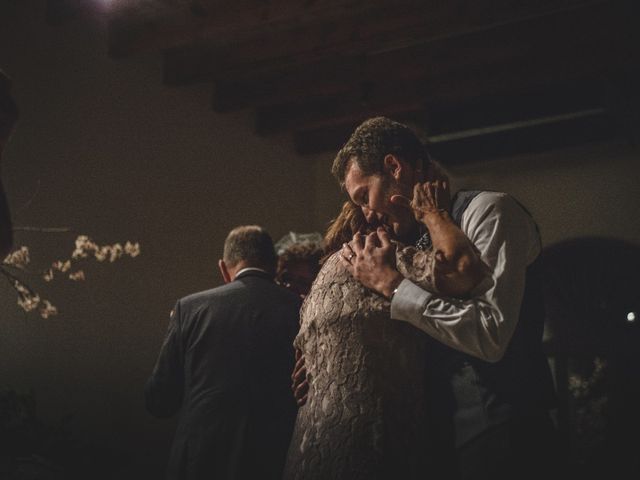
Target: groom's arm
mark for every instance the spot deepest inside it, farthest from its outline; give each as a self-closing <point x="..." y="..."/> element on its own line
<point x="482" y="325"/>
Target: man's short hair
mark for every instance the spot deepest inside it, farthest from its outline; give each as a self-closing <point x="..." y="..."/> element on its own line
<point x="252" y="244"/>
<point x="8" y="108"/>
<point x="372" y="141"/>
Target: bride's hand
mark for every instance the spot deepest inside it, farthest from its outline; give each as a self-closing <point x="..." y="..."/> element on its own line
<point x="429" y="198"/>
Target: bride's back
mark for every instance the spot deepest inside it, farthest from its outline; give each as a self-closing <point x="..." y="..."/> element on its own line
<point x="364" y="417"/>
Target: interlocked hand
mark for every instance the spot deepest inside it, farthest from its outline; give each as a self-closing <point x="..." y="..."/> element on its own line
<point x="371" y="259"/>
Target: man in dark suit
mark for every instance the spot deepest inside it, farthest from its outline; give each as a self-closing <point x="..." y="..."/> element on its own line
<point x="226" y="362"/>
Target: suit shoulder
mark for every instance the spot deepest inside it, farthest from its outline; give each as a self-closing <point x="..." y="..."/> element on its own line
<point x="197" y="299"/>
<point x="279" y="293"/>
<point x="282" y="291"/>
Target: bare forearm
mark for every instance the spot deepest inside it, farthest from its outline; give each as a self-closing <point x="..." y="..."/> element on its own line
<point x="458" y="266"/>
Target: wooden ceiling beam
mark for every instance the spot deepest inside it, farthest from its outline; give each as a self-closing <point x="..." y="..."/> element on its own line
<point x="591" y="127"/>
<point x="346" y="108"/>
<point x="388" y="28"/>
<point x="439" y="95"/>
<point x="585" y="52"/>
<point x="332" y="136"/>
<point x="143" y="25"/>
<point x="582" y="109"/>
<point x="597" y="27"/>
<point x="465" y="147"/>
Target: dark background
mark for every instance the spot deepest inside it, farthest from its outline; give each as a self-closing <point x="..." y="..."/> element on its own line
<point x="105" y="148"/>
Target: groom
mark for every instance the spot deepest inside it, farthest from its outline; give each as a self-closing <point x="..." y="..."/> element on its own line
<point x="490" y="383"/>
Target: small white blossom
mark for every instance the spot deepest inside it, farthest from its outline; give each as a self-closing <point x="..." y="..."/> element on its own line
<point x="21" y="288"/>
<point x="85" y="248"/>
<point x="18" y="258"/>
<point x="132" y="249"/>
<point x="48" y="275"/>
<point x="61" y="266"/>
<point x="102" y="253"/>
<point x="47" y="310"/>
<point x="27" y="299"/>
<point x="76" y="276"/>
<point x="116" y="252"/>
<point x="29" y="303"/>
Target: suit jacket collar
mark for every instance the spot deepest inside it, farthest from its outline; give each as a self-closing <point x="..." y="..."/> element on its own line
<point x="254" y="273"/>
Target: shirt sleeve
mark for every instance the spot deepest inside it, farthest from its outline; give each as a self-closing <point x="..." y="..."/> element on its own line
<point x="165" y="388"/>
<point x="508" y="241"/>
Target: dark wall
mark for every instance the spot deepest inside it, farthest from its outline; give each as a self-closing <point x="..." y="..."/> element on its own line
<point x="105" y="149"/>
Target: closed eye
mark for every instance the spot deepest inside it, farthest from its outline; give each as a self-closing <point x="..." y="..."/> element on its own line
<point x="364" y="199"/>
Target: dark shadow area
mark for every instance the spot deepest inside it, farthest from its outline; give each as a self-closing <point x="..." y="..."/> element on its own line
<point x="592" y="297"/>
<point x="31" y="449"/>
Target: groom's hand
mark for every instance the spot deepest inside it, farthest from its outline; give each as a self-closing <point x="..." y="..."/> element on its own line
<point x="371" y="259"/>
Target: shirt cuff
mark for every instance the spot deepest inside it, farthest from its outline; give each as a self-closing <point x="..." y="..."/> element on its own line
<point x="409" y="302"/>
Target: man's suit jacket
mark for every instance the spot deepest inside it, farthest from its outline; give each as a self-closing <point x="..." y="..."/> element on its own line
<point x="226" y="361"/>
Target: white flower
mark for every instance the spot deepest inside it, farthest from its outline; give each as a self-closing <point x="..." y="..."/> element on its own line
<point x="48" y="275"/>
<point x="101" y="254"/>
<point x="47" y="310"/>
<point x="116" y="252"/>
<point x="21" y="288"/>
<point x="61" y="266"/>
<point x="132" y="249"/>
<point x="18" y="258"/>
<point x="76" y="276"/>
<point x="84" y="246"/>
<point x="29" y="300"/>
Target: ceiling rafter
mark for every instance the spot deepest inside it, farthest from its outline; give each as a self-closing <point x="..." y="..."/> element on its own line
<point x="390" y="29"/>
<point x="317" y="68"/>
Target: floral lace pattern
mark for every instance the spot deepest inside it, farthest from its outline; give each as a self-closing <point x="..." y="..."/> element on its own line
<point x="364" y="418"/>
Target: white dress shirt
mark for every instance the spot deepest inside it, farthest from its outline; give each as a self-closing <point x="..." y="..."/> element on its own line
<point x="248" y="269"/>
<point x="508" y="241"/>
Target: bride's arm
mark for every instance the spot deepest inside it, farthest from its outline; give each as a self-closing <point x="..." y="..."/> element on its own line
<point x="458" y="268"/>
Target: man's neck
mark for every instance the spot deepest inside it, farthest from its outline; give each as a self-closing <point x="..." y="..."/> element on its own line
<point x="249" y="269"/>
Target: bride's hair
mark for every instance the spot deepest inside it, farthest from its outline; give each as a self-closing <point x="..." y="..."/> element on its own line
<point x="343" y="227"/>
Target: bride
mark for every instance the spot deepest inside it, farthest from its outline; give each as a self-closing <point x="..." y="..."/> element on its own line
<point x="365" y="411"/>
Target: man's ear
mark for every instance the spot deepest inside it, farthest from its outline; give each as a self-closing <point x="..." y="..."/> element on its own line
<point x="393" y="166"/>
<point x="226" y="276"/>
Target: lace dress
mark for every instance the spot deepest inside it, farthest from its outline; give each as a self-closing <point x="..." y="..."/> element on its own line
<point x="364" y="418"/>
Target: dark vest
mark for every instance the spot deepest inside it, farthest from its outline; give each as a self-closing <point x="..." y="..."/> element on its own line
<point x="470" y="395"/>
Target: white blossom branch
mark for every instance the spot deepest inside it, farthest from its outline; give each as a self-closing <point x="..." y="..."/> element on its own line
<point x="85" y="248"/>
